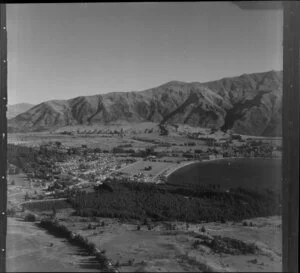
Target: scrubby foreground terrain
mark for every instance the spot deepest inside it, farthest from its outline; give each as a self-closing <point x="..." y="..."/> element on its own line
<point x="251" y="245"/>
<point x="249" y="104"/>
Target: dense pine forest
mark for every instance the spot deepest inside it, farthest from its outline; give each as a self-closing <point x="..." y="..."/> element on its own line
<point x="165" y="202"/>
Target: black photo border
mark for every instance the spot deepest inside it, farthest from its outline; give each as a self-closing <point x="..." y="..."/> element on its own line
<point x="3" y="135"/>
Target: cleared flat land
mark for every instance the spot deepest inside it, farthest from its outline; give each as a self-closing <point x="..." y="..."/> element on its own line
<point x="157" y="167"/>
<point x="91" y="140"/>
<point x="29" y="249"/>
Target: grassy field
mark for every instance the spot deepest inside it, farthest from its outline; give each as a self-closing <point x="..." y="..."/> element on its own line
<point x="157" y="167"/>
<point x="31" y="249"/>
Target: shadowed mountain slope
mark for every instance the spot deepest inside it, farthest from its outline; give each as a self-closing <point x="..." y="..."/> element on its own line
<point x="248" y="104"/>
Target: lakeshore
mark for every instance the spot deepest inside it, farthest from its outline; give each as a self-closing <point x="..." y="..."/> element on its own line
<point x="231" y="171"/>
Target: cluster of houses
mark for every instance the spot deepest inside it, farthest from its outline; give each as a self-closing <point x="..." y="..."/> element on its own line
<point x="93" y="167"/>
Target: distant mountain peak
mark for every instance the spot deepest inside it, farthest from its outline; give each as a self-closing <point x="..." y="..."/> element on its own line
<point x="174" y="83"/>
<point x="15" y="109"/>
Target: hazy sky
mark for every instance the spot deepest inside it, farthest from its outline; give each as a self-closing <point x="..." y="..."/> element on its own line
<point x="60" y="51"/>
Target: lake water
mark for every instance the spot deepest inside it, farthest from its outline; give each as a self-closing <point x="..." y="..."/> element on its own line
<point x="254" y="173"/>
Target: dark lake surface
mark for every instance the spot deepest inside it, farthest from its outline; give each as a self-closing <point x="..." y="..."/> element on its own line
<point x="256" y="173"/>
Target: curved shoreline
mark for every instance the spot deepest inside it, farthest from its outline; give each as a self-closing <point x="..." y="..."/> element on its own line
<point x="214" y="159"/>
<point x="182" y="165"/>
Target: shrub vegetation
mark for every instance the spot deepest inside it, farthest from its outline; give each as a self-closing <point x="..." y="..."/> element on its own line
<point x="30" y="217"/>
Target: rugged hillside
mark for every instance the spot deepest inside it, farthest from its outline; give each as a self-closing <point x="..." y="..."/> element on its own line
<point x="248" y="104"/>
<point x="16" y="109"/>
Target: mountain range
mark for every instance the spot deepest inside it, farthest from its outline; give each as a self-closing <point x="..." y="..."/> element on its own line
<point x="248" y="104"/>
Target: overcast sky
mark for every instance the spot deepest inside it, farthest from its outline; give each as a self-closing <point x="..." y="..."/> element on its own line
<point x="60" y="51"/>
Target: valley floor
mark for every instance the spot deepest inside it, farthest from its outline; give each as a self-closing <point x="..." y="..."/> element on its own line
<point x="181" y="248"/>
